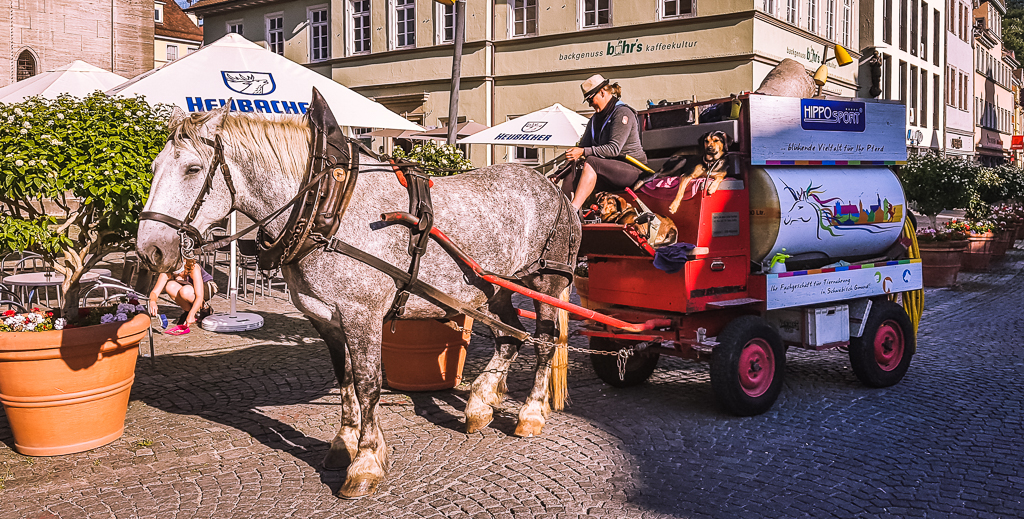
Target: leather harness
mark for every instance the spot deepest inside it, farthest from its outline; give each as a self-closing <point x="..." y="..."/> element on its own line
<point x="319" y="205"/>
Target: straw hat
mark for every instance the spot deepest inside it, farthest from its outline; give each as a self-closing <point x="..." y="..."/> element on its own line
<point x="592" y="86"/>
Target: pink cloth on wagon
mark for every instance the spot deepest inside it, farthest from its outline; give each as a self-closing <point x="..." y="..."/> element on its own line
<point x="665" y="188"/>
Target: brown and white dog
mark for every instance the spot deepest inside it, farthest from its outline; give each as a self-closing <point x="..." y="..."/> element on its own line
<point x="713" y="145"/>
<point x="616" y="209"/>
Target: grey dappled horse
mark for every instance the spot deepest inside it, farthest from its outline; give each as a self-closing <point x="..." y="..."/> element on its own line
<point x="500" y="215"/>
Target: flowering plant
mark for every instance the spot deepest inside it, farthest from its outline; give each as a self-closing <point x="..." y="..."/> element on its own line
<point x="34" y="321"/>
<point x="950" y="231"/>
<point x="39" y="321"/>
<point x="980" y="226"/>
<point x="1005" y="217"/>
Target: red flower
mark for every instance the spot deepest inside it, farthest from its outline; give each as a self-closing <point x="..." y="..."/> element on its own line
<point x="49" y="314"/>
<point x="9" y="313"/>
<point x="133" y="301"/>
<point x="36" y="309"/>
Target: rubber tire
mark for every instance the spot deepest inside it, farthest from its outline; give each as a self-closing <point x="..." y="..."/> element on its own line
<point x="737" y="336"/>
<point x="862" y="349"/>
<point x="639" y="367"/>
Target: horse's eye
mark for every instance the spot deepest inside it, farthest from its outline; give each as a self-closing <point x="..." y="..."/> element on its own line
<point x="192" y="170"/>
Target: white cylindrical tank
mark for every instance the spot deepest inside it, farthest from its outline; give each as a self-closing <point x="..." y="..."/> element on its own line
<point x="832" y="212"/>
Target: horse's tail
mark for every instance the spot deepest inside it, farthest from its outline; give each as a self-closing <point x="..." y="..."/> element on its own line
<point x="558" y="387"/>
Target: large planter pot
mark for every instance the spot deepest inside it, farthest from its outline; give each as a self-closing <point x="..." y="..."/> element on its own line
<point x="66" y="391"/>
<point x="424" y="354"/>
<point x="979" y="252"/>
<point x="940" y="262"/>
<point x="1002" y="242"/>
<point x="582" y="290"/>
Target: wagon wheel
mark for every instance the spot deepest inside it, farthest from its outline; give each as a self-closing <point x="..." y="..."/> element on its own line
<point x="748" y="366"/>
<point x="881" y="357"/>
<point x="638" y="367"/>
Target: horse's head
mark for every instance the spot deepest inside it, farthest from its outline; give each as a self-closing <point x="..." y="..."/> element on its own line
<point x="180" y="174"/>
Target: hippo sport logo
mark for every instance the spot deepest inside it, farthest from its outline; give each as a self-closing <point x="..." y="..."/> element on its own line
<point x="534" y="126"/>
<point x="831" y="116"/>
<point x="252" y="83"/>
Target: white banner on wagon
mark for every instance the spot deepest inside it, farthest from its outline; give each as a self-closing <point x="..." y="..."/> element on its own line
<point x="795" y="131"/>
<point x="256" y="81"/>
<point x="810" y="287"/>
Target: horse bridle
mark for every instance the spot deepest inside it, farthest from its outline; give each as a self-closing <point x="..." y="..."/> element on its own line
<point x="190" y="236"/>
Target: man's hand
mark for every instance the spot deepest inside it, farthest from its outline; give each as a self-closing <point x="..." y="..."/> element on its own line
<point x="574" y="153"/>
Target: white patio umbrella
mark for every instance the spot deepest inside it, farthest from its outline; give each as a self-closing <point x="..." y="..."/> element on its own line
<point x="555" y="125"/>
<point x="77" y="78"/>
<point x="255" y="80"/>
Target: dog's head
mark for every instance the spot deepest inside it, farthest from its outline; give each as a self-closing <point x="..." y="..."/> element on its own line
<point x="714" y="145"/>
<point x="609" y="205"/>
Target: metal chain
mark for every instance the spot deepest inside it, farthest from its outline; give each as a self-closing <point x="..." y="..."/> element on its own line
<point x="623" y="354"/>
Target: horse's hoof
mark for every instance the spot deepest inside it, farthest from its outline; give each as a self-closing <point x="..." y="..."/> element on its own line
<point x="355" y="488"/>
<point x="336" y="460"/>
<point x="475" y="424"/>
<point x="529" y="428"/>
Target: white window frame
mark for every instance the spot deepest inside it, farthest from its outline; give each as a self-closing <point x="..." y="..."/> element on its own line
<point x="442" y="18"/>
<point x="158" y="12"/>
<point x="325" y="25"/>
<point x="408" y="5"/>
<point x="769" y="6"/>
<point x="830" y="20"/>
<point x="663" y="13"/>
<point x="268" y="32"/>
<point x="167" y="52"/>
<point x="812" y="16"/>
<point x="581" y="8"/>
<point x="350" y="24"/>
<point x="190" y="50"/>
<point x="512" y="19"/>
<point x="232" y="24"/>
<point x="793" y="12"/>
<point x="846" y="31"/>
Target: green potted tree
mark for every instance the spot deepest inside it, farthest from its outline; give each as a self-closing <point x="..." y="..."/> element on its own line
<point x="76" y="173"/>
<point x="425" y="354"/>
<point x="933" y="184"/>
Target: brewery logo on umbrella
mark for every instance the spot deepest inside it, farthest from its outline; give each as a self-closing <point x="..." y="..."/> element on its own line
<point x="531" y="127"/>
<point x="252" y="83"/>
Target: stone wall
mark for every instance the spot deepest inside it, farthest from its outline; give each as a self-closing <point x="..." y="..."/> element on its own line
<point x="57" y="32"/>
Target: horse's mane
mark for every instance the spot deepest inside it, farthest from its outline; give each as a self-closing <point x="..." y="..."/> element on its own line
<point x="270" y="142"/>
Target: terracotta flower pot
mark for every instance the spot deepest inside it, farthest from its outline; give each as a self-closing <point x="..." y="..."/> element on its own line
<point x="424" y="354"/>
<point x="66" y="391"/>
<point x="979" y="252"/>
<point x="940" y="262"/>
<point x="582" y="290"/>
<point x="1002" y="242"/>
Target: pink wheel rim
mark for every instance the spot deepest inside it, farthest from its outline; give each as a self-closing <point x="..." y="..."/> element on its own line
<point x="889" y="345"/>
<point x="756" y="367"/>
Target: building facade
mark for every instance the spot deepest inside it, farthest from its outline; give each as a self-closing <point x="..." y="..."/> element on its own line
<point x="959" y="84"/>
<point x="115" y="35"/>
<point x="908" y="39"/>
<point x="175" y="33"/>
<point x="993" y="86"/>
<point x="524" y="55"/>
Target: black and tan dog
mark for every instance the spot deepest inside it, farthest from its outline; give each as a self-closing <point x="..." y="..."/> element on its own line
<point x="616" y="209"/>
<point x="713" y="146"/>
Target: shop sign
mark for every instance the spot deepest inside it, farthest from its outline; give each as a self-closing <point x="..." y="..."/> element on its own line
<point x="622" y="47"/>
<point x="831" y="116"/>
<point x="1017" y="143"/>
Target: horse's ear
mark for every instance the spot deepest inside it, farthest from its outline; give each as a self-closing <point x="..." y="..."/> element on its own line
<point x="217" y="116"/>
<point x="177" y="116"/>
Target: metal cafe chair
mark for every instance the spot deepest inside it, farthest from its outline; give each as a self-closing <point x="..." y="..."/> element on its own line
<point x="112" y="289"/>
<point x="248" y="265"/>
<point x="10" y="301"/>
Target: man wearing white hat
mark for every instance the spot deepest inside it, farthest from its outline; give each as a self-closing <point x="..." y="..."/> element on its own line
<point x="612" y="133"/>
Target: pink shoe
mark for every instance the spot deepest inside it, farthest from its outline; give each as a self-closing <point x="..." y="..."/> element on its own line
<point x="181" y="329"/>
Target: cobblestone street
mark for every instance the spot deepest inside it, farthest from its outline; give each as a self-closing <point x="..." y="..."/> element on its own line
<point x="235" y="425"/>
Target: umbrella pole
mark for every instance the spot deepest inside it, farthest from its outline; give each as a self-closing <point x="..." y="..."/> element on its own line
<point x="460" y="38"/>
